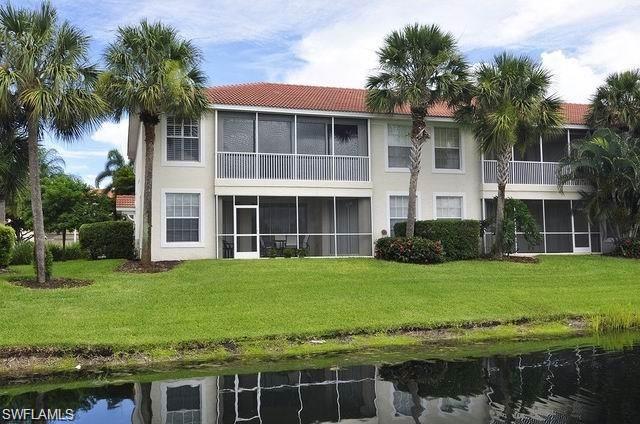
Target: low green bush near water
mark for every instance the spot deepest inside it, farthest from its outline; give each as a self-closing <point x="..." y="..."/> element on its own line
<point x="109" y="239"/>
<point x="615" y="319"/>
<point x="415" y="250"/>
<point x="7" y="243"/>
<point x="22" y="253"/>
<point x="460" y="238"/>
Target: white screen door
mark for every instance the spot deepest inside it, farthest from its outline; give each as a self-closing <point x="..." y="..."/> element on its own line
<point x="246" y="223"/>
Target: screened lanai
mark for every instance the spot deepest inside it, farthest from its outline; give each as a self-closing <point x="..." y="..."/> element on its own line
<point x="564" y="226"/>
<point x="262" y="226"/>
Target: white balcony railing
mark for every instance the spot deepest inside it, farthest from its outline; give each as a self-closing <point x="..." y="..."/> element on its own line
<point x="283" y="166"/>
<point x="525" y="172"/>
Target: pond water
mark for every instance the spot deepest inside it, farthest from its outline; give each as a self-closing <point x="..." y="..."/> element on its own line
<point x="581" y="385"/>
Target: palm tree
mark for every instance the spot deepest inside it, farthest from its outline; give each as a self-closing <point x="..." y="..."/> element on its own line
<point x="115" y="161"/>
<point x="13" y="162"/>
<point x="152" y="71"/>
<point x="609" y="163"/>
<point x="616" y="103"/>
<point x="509" y="107"/>
<point x="51" y="163"/>
<point x="419" y="66"/>
<point x="45" y="70"/>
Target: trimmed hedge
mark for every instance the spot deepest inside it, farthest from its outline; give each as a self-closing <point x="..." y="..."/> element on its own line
<point x="460" y="238"/>
<point x="415" y="250"/>
<point x="7" y="244"/>
<point x="72" y="251"/>
<point x="22" y="253"/>
<point x="109" y="239"/>
<point x="627" y="248"/>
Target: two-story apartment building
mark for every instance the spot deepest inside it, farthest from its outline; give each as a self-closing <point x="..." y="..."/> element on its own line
<point x="272" y="166"/>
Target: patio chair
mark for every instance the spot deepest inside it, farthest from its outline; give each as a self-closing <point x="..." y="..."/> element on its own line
<point x="227" y="249"/>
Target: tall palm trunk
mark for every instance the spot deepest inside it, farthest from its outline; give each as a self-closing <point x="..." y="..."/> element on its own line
<point x="504" y="158"/>
<point x="3" y="209"/>
<point x="33" y="129"/>
<point x="149" y="141"/>
<point x="418" y="135"/>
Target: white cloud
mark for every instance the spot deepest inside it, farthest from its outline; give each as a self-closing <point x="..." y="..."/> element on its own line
<point x="90" y="179"/>
<point x="113" y="134"/>
<point x="573" y="80"/>
<point x="216" y="22"/>
<point x="581" y="40"/>
<point x="576" y="75"/>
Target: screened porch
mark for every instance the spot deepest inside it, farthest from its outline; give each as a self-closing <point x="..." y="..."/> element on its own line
<point x="267" y="226"/>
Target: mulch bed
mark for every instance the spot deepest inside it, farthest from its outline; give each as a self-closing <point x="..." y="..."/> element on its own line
<point x="522" y="259"/>
<point x="137" y="267"/>
<point x="516" y="259"/>
<point x="54" y="283"/>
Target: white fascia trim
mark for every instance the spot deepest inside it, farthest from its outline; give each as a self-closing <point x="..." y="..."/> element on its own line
<point x="435" y="170"/>
<point x="163" y="218"/>
<point x="449" y="194"/>
<point x="315" y="112"/>
<point x="388" y="195"/>
<point x="183" y="163"/>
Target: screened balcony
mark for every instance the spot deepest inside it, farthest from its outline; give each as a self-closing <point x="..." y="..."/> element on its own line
<point x="538" y="164"/>
<point x="292" y="147"/>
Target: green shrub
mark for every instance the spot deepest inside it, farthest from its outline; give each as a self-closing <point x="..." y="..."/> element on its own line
<point x="22" y="253"/>
<point x="460" y="238"/>
<point x="302" y="253"/>
<point x="73" y="251"/>
<point x="627" y="248"/>
<point x="7" y="244"/>
<point x="416" y="250"/>
<point x="48" y="263"/>
<point x="110" y="239"/>
<point x="289" y="252"/>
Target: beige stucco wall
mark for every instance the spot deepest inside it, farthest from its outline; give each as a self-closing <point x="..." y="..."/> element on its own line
<point x="430" y="181"/>
<point x="182" y="177"/>
<point x="200" y="177"/>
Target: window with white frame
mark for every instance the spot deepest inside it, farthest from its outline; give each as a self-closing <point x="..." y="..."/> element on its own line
<point x="398" y="211"/>
<point x="448" y="207"/>
<point x="183" y="139"/>
<point x="398" y="145"/>
<point x="447" y="150"/>
<point x="183" y="217"/>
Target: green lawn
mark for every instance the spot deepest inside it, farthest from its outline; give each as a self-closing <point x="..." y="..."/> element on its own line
<point x="221" y="300"/>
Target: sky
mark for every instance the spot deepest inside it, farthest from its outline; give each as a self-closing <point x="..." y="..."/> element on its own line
<point x="334" y="43"/>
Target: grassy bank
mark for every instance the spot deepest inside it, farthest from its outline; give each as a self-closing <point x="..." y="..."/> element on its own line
<point x="203" y="303"/>
<point x="235" y="300"/>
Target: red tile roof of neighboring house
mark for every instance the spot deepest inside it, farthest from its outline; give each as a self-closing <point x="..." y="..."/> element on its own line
<point x="335" y="99"/>
<point x="125" y="201"/>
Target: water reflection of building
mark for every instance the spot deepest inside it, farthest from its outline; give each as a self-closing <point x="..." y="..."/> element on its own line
<point x="354" y="395"/>
<point x="537" y="389"/>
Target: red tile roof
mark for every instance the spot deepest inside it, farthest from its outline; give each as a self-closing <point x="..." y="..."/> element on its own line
<point x="125" y="201"/>
<point x="335" y="99"/>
